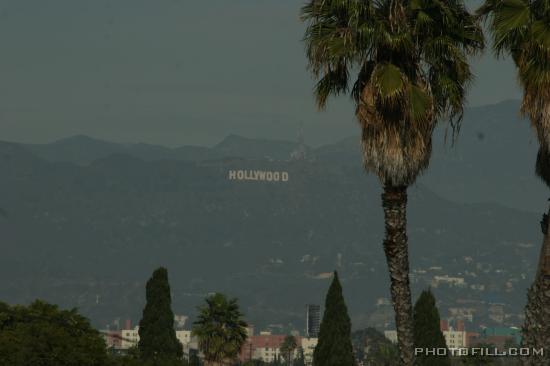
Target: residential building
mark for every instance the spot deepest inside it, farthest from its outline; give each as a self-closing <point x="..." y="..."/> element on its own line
<point x="112" y="338"/>
<point x="308" y="346"/>
<point x="454" y="337"/>
<point x="462" y="313"/>
<point x="449" y="281"/>
<point x="391" y="335"/>
<point x="129" y="338"/>
<point x="266" y="347"/>
<point x="513" y="333"/>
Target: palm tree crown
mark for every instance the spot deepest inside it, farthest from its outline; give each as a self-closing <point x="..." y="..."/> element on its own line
<point x="220" y="329"/>
<point x="409" y="61"/>
<point x="521" y="28"/>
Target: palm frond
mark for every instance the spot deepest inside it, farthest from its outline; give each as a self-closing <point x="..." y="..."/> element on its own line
<point x="389" y="82"/>
<point x="412" y="69"/>
<point x="333" y="82"/>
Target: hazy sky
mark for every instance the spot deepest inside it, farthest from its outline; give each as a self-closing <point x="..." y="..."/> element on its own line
<point x="171" y="72"/>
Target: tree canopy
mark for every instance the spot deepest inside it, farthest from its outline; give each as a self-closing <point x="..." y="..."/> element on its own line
<point x="405" y="65"/>
<point x="220" y="329"/>
<point x="521" y="29"/>
<point x="41" y="334"/>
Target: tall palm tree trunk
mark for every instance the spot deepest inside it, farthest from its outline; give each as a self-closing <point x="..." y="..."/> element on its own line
<point x="394" y="200"/>
<point x="536" y="329"/>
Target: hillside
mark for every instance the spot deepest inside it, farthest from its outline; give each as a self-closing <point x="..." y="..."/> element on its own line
<point x="492" y="160"/>
<point x="88" y="235"/>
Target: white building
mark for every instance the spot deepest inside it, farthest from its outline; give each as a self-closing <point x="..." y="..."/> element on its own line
<point x="267" y="347"/>
<point x="187" y="341"/>
<point x="391" y="335"/>
<point x="308" y="346"/>
<point x="130" y="338"/>
<point x="450" y="281"/>
<point x="455" y="338"/>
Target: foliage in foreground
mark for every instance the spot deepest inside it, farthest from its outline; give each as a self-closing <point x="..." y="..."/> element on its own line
<point x="42" y="334"/>
<point x="373" y="348"/>
<point x="220" y="329"/>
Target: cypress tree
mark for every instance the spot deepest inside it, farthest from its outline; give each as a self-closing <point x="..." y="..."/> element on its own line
<point x="157" y="337"/>
<point x="427" y="331"/>
<point x="334" y="346"/>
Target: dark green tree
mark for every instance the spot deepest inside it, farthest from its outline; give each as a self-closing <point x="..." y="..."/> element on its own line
<point x="117" y="360"/>
<point x="427" y="331"/>
<point x="373" y="348"/>
<point x="334" y="347"/>
<point x="43" y="335"/>
<point x="254" y="363"/>
<point x="157" y="337"/>
<point x="385" y="354"/>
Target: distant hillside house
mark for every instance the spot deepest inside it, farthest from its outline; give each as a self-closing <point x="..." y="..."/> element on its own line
<point x="449" y="281"/>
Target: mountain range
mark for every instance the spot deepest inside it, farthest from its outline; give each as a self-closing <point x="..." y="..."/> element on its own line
<point x="83" y="222"/>
<point x="492" y="159"/>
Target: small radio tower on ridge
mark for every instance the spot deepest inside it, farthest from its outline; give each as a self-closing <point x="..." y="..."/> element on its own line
<point x="300" y="153"/>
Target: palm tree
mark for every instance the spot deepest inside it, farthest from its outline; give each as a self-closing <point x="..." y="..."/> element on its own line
<point x="521" y="29"/>
<point x="404" y="62"/>
<point x="220" y="330"/>
<point x="287" y="348"/>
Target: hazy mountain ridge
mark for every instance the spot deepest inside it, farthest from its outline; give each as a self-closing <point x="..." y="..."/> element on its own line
<point x="492" y="159"/>
<point x="83" y="150"/>
<point x="89" y="235"/>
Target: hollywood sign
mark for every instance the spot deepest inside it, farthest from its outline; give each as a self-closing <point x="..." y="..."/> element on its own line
<point x="260" y="175"/>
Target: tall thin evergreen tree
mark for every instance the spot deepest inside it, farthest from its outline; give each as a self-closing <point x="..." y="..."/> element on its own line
<point x="427" y="331"/>
<point x="334" y="347"/>
<point x="157" y="337"/>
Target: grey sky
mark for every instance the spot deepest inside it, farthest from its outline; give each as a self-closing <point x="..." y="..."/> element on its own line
<point x="171" y="72"/>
